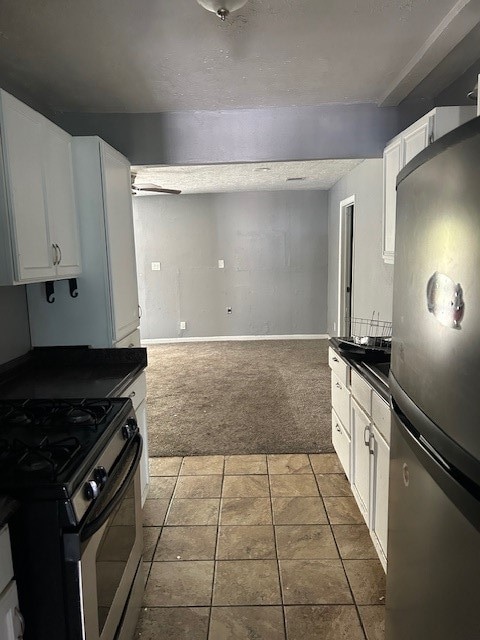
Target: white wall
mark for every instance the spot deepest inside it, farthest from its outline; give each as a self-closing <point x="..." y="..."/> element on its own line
<point x="372" y="278"/>
<point x="14" y="328"/>
<point x="275" y="247"/>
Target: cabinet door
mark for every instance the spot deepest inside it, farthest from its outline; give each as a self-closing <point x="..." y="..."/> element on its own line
<point x="380" y="479"/>
<point x="22" y="131"/>
<point x="361" y="432"/>
<point x="392" y="163"/>
<point x="11" y="621"/>
<point x="141" y="414"/>
<point x="60" y="198"/>
<point x="121" y="244"/>
<point x="416" y="138"/>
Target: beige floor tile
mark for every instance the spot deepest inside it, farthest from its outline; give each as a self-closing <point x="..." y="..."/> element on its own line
<point x="199" y="487"/>
<point x="246" y="582"/>
<point x="251" y="486"/>
<point x="367" y="580"/>
<point x="246" y="623"/>
<point x="326" y="463"/>
<point x="323" y="623"/>
<point x="245" y="543"/>
<point x="150" y="539"/>
<point x="161" y="487"/>
<point x="183" y="623"/>
<point x="343" y="511"/>
<point x="314" y="582"/>
<point x="202" y="465"/>
<point x="305" y="541"/>
<point x="245" y="511"/>
<point x="293" y="485"/>
<point x="179" y="584"/>
<point x="188" y="511"/>
<point x="154" y="512"/>
<point x="354" y="541"/>
<point x="373" y="619"/>
<point x="299" y="511"/>
<point x="288" y="463"/>
<point x="237" y="465"/>
<point x="333" y="484"/>
<point x="164" y="466"/>
<point x="187" y="543"/>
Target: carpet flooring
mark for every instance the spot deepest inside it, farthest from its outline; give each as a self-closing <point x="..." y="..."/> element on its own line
<point x="232" y="398"/>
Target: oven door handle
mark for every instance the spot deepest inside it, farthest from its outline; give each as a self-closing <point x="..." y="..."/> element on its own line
<point x="92" y="527"/>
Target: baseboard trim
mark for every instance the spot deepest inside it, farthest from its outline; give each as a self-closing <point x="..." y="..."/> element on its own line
<point x="300" y="336"/>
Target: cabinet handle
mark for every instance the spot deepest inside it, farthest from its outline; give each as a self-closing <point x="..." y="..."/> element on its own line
<point x="131" y="345"/>
<point x="335" y="359"/>
<point x="338" y="428"/>
<point x="132" y="395"/>
<point x="366" y="436"/>
<point x="55" y="254"/>
<point x="140" y="311"/>
<point x="21" y="620"/>
<point x="371" y="444"/>
<point x="59" y="254"/>
<point x="338" y="385"/>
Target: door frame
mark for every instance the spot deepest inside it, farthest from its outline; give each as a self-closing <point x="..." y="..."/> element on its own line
<point x="344" y="245"/>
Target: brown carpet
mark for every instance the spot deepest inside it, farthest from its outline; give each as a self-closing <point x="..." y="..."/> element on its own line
<point x="239" y="398"/>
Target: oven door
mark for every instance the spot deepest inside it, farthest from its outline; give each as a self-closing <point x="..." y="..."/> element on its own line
<point x="104" y="585"/>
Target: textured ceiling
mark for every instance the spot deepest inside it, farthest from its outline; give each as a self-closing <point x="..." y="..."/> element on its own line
<point x="164" y="55"/>
<point x="265" y="176"/>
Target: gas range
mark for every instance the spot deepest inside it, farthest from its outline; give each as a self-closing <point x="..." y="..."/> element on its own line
<point x="73" y="466"/>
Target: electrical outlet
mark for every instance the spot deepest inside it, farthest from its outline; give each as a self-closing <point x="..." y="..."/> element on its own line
<point x="155" y="266"/>
<point x="229" y="310"/>
<point x="221" y="264"/>
<point x="183" y="325"/>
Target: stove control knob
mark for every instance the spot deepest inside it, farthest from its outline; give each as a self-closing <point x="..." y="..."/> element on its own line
<point x="100" y="475"/>
<point x="130" y="429"/>
<point x="91" y="490"/>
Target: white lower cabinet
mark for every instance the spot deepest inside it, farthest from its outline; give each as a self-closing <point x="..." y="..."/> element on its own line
<point x="137" y="393"/>
<point x="361" y="438"/>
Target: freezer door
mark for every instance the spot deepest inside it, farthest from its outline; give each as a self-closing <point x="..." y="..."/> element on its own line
<point x="433" y="549"/>
<point x="436" y="308"/>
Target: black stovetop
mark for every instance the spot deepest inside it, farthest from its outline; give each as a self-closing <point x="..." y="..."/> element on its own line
<point x="46" y="442"/>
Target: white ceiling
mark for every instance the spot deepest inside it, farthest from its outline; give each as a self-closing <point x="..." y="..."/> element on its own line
<point x="265" y="176"/>
<point x="164" y="55"/>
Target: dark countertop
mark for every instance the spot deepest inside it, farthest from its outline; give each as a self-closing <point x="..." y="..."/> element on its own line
<point x="71" y="372"/>
<point x="8" y="506"/>
<point x="358" y="359"/>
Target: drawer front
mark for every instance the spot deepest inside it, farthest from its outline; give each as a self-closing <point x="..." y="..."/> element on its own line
<point x="6" y="568"/>
<point x="132" y="340"/>
<point x="341" y="443"/>
<point x="361" y="391"/>
<point x="339" y="366"/>
<point x="137" y="391"/>
<point x="341" y="401"/>
<point x="381" y="416"/>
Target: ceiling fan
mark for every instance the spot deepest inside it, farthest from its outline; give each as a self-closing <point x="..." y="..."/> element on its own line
<point x="150" y="188"/>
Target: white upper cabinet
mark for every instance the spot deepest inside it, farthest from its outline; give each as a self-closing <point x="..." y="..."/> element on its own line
<point x="402" y="149"/>
<point x="105" y="312"/>
<point x="38" y="217"/>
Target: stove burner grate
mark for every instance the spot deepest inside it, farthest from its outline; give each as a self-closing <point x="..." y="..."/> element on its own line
<point x="49" y="458"/>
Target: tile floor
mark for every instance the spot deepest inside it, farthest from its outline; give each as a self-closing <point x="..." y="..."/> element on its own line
<point x="257" y="548"/>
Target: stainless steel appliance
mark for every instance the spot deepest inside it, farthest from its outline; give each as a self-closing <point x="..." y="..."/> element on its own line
<point x="434" y="504"/>
<point x="77" y="539"/>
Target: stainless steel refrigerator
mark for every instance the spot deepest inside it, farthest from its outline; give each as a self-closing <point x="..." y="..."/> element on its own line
<point x="433" y="578"/>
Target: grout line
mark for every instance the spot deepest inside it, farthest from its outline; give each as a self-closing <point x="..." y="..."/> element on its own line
<point x="276" y="555"/>
<point x="215" y="550"/>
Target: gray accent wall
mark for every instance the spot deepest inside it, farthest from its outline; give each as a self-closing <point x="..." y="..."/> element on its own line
<point x="372" y="278"/>
<point x="14" y="328"/>
<point x="275" y="248"/>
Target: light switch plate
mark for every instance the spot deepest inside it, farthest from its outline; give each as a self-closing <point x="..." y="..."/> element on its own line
<point x="155" y="266"/>
<point x="183" y="325"/>
<point x="221" y="264"/>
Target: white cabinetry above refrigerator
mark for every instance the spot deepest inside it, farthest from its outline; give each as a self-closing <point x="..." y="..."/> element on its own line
<point x="38" y="217"/>
<point x="105" y="313"/>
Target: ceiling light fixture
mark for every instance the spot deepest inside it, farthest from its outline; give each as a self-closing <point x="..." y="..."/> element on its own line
<point x="222" y="7"/>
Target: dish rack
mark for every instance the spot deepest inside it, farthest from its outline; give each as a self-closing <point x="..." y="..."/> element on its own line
<point x="369" y="332"/>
